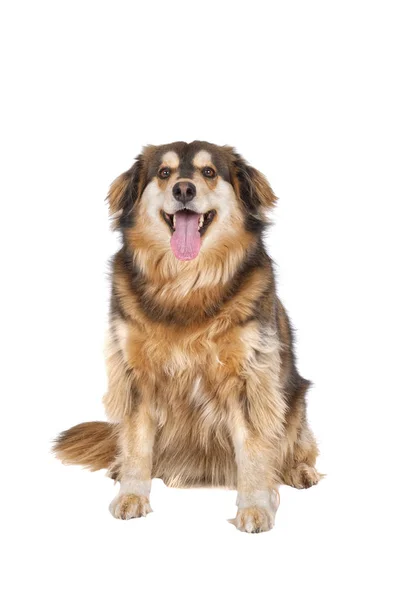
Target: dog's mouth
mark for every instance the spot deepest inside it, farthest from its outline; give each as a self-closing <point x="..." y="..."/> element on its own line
<point x="187" y="228"/>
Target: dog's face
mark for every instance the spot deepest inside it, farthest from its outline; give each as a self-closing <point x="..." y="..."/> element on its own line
<point x="186" y="201"/>
<point x="189" y="199"/>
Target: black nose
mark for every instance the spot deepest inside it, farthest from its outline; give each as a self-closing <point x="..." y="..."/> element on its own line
<point x="184" y="191"/>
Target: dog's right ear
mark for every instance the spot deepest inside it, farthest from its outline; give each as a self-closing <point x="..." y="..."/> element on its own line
<point x="124" y="192"/>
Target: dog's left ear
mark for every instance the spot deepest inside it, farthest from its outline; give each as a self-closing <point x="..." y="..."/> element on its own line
<point x="124" y="192"/>
<point x="251" y="186"/>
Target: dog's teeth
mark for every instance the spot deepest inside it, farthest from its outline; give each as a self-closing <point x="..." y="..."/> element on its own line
<point x="173" y="221"/>
<point x="201" y="221"/>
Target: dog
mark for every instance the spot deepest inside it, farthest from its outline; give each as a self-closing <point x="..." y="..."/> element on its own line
<point x="203" y="388"/>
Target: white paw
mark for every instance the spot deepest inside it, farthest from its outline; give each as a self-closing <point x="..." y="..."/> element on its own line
<point x="254" y="519"/>
<point x="130" y="506"/>
<point x="256" y="510"/>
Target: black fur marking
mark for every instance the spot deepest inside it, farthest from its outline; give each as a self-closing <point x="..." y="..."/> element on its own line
<point x="254" y="224"/>
<point x="131" y="195"/>
<point x="247" y="193"/>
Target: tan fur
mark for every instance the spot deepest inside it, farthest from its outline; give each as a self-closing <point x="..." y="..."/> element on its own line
<point x="92" y="445"/>
<point x="203" y="388"/>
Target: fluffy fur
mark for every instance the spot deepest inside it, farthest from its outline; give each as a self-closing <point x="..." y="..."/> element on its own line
<point x="203" y="387"/>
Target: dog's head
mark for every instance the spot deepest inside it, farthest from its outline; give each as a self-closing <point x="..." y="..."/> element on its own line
<point x="189" y="202"/>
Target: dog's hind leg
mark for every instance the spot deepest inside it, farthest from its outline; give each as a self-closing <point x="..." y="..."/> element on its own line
<point x="299" y="468"/>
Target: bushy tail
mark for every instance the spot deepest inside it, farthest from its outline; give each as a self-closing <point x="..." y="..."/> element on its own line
<point x="92" y="445"/>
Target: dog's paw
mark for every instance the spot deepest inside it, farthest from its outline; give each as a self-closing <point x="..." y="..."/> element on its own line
<point x="254" y="519"/>
<point x="130" y="506"/>
<point x="303" y="476"/>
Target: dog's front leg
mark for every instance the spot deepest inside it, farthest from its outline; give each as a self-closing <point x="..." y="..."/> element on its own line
<point x="136" y="449"/>
<point x="258" y="497"/>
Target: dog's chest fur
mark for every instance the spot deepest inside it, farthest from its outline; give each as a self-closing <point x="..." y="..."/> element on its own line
<point x="186" y="370"/>
<point x="191" y="357"/>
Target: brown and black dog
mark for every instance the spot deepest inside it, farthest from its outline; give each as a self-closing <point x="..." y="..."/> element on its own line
<point x="203" y="387"/>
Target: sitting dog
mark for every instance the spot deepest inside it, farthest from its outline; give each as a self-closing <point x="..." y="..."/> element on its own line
<point x="203" y="386"/>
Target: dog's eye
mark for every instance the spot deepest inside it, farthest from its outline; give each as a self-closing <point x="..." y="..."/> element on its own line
<point x="164" y="173"/>
<point x="208" y="172"/>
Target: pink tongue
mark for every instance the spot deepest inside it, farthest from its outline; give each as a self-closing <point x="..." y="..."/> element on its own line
<point x="185" y="241"/>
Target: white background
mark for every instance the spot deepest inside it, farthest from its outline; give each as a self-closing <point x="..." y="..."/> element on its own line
<point x="308" y="93"/>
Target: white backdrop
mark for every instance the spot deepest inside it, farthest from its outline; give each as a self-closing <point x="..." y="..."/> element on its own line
<point x="308" y="92"/>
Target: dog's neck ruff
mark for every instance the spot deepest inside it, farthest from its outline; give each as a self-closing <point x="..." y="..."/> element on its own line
<point x="191" y="295"/>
